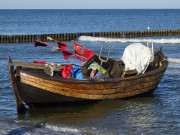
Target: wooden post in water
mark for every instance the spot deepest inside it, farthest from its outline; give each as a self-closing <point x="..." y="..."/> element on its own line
<point x="142" y="34"/>
<point x="65" y="37"/>
<point x="109" y="35"/>
<point x="102" y="34"/>
<point x="155" y="33"/>
<point x="96" y="34"/>
<point x="52" y="36"/>
<point x="58" y="37"/>
<point x="33" y="38"/>
<point x="29" y="39"/>
<point x="135" y="33"/>
<point x="76" y="35"/>
<point x="150" y="33"/>
<point x="61" y="37"/>
<point x="162" y="32"/>
<point x="172" y="32"/>
<point x="125" y="34"/>
<point x="68" y="36"/>
<point x="39" y="37"/>
<point x="132" y="33"/>
<point x="145" y="34"/>
<point x="91" y="34"/>
<point x="42" y="38"/>
<point x="80" y="34"/>
<point x="106" y="34"/>
<point x="20" y="38"/>
<point x="14" y="38"/>
<point x="112" y="34"/>
<point x="178" y="32"/>
<point x="11" y="39"/>
<point x="4" y="39"/>
<point x="115" y="34"/>
<point x="24" y="38"/>
<point x="7" y="39"/>
<point x="165" y="32"/>
<point x="120" y="34"/>
<point x="169" y="33"/>
<point x="1" y="39"/>
<point x="72" y="36"/>
<point x="17" y="39"/>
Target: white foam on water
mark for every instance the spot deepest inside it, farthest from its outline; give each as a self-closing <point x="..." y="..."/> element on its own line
<point x="127" y="40"/>
<point x="174" y="60"/>
<point x="63" y="129"/>
<point x="13" y="129"/>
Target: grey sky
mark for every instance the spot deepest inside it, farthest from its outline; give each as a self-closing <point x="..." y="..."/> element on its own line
<point x="89" y="4"/>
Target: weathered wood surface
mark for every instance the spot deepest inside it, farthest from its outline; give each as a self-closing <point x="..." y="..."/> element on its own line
<point x="121" y="88"/>
<point x="33" y="65"/>
<point x="34" y="83"/>
<point x="97" y="91"/>
<point x="19" y="103"/>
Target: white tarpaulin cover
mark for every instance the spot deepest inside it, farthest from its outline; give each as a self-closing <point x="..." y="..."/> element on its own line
<point x="137" y="56"/>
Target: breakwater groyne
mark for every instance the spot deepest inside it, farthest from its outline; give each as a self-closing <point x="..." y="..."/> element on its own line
<point x="72" y="36"/>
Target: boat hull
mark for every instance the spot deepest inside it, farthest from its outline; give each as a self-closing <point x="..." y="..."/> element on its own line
<point x="35" y="87"/>
<point x="36" y="96"/>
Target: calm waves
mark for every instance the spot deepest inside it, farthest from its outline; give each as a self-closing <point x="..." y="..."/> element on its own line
<point x="157" y="114"/>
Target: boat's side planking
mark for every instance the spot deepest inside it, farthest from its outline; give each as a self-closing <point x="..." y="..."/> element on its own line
<point x="117" y="88"/>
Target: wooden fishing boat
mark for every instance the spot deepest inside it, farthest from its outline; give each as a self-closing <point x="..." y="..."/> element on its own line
<point x="34" y="87"/>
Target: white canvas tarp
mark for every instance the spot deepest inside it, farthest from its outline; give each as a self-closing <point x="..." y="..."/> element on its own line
<point x="137" y="56"/>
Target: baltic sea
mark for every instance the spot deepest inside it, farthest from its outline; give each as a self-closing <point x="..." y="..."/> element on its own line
<point x="156" y="114"/>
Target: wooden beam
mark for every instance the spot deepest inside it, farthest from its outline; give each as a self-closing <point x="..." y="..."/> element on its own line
<point x="34" y="65"/>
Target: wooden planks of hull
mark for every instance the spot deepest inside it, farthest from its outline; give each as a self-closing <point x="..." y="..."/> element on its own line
<point x="58" y="88"/>
<point x="34" y="95"/>
<point x="120" y="88"/>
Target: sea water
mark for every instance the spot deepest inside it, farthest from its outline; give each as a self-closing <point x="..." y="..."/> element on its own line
<point x="156" y="114"/>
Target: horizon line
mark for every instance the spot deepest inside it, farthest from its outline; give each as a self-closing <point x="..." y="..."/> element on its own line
<point x="88" y="8"/>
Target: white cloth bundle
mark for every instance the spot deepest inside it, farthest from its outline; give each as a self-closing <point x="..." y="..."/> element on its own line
<point x="137" y="56"/>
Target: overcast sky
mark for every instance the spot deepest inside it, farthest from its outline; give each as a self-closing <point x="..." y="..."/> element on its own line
<point x="89" y="4"/>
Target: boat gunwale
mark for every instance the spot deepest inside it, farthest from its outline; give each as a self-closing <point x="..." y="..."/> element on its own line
<point x="114" y="80"/>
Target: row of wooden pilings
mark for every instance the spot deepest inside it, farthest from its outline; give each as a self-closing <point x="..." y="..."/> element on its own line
<point x="72" y="36"/>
